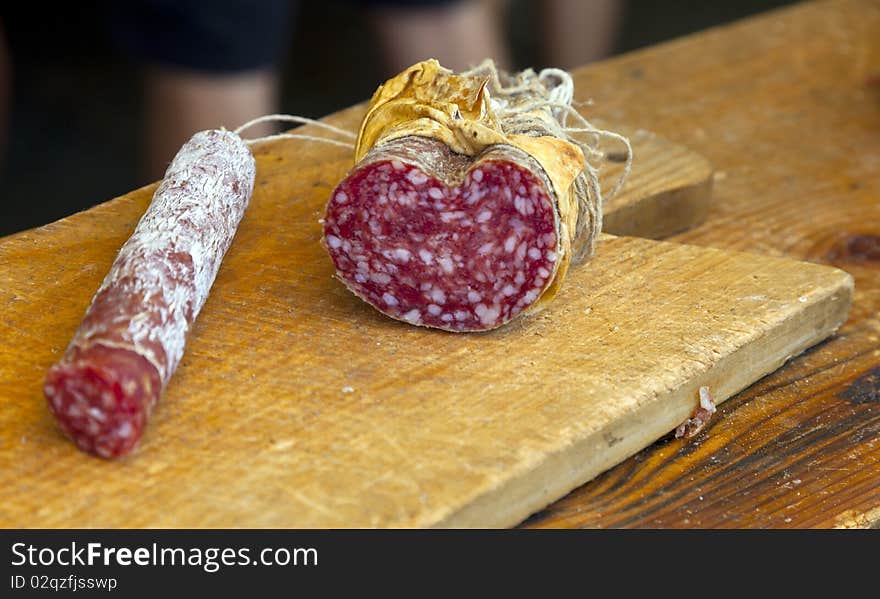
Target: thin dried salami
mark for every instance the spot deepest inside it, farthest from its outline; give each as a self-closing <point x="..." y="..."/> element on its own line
<point x="459" y="214"/>
<point x="134" y="332"/>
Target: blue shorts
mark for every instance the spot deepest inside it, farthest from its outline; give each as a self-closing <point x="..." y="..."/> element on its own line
<point x="218" y="36"/>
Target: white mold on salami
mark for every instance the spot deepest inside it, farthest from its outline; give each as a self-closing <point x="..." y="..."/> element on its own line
<point x="172" y="258"/>
<point x="134" y="332"/>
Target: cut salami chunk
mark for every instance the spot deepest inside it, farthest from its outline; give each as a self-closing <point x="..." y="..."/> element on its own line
<point x="134" y="332"/>
<point x="437" y="239"/>
<point x="468" y="199"/>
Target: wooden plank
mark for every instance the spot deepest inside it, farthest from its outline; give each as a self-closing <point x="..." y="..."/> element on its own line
<point x="669" y="191"/>
<point x="789" y="120"/>
<point x="296" y="405"/>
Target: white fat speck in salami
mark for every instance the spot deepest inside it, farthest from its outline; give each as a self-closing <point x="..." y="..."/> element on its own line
<point x="134" y="332"/>
<point x="462" y="246"/>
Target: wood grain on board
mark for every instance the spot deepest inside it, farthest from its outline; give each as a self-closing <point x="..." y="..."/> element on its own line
<point x="677" y="179"/>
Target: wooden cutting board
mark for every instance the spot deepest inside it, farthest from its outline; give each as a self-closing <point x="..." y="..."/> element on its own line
<point x="297" y="405"/>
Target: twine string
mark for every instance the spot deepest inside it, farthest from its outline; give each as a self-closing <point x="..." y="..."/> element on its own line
<point x="290" y="118"/>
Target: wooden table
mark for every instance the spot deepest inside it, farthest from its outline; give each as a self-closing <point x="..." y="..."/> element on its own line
<point x="786" y="105"/>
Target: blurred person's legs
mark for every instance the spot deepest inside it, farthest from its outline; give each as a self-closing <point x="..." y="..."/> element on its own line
<point x="209" y="64"/>
<point x="575" y="32"/>
<point x="458" y="33"/>
<point x="179" y="103"/>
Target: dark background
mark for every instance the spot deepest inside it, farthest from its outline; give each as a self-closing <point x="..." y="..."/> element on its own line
<point x="75" y="106"/>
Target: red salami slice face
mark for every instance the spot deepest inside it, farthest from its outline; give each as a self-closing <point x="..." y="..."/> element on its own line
<point x="102" y="397"/>
<point x="465" y="256"/>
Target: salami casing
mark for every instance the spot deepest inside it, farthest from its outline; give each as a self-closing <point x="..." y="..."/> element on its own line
<point x="134" y="332"/>
<point x="457" y="215"/>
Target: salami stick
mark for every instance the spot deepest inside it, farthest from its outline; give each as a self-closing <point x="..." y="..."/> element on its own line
<point x="468" y="199"/>
<point x="132" y="338"/>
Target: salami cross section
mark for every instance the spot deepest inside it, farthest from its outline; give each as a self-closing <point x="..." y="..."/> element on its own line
<point x="133" y="335"/>
<point x="431" y="238"/>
